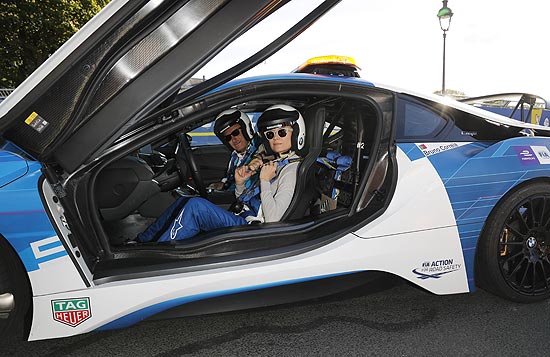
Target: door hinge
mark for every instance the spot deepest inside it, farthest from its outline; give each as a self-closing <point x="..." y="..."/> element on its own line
<point x="51" y="177"/>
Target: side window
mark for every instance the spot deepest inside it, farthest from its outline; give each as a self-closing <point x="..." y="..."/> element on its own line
<point x="415" y="121"/>
<point x="254" y="119"/>
<point x="204" y="135"/>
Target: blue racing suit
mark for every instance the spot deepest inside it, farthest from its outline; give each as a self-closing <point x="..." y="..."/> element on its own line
<point x="186" y="217"/>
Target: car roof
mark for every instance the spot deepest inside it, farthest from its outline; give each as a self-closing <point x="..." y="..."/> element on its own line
<point x="293" y="76"/>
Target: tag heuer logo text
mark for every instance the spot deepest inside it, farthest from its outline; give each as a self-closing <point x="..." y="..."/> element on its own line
<point x="71" y="312"/>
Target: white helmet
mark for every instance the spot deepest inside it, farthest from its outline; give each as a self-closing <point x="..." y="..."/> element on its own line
<point x="281" y="114"/>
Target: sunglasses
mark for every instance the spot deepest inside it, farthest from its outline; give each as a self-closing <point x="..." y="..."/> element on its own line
<point x="235" y="132"/>
<point x="280" y="133"/>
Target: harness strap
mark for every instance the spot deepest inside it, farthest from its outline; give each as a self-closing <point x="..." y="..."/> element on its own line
<point x="251" y="196"/>
<point x="234" y="161"/>
<point x="337" y="162"/>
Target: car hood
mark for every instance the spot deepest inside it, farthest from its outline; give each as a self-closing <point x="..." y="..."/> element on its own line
<point x="123" y="64"/>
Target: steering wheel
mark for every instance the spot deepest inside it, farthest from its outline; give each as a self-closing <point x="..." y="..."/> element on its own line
<point x="184" y="159"/>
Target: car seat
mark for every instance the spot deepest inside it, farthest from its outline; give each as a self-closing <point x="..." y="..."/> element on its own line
<point x="306" y="192"/>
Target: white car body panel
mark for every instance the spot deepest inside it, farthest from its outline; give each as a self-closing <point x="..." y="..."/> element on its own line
<point x="416" y="204"/>
<point x="118" y="299"/>
<point x="66" y="277"/>
<point x="408" y="243"/>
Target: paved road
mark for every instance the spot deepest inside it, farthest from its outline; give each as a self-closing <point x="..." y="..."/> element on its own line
<point x="401" y="320"/>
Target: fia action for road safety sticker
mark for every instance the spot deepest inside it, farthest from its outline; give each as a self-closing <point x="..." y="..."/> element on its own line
<point x="436" y="269"/>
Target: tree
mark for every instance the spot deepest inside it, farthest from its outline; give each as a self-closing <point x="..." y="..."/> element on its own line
<point x="31" y="30"/>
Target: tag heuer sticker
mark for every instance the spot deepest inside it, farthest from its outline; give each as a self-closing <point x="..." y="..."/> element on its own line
<point x="36" y="122"/>
<point x="71" y="312"/>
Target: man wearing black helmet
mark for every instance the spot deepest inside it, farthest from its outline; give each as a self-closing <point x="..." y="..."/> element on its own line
<point x="265" y="200"/>
<point x="234" y="129"/>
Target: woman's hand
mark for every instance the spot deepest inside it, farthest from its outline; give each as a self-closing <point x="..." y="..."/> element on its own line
<point x="268" y="171"/>
<point x="242" y="174"/>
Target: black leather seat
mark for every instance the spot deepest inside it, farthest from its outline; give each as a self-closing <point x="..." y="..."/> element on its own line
<point x="306" y="193"/>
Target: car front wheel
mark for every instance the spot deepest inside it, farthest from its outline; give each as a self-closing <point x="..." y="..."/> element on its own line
<point x="14" y="292"/>
<point x="513" y="254"/>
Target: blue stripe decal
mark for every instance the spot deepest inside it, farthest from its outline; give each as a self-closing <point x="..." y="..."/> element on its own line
<point x="412" y="151"/>
<point x="476" y="176"/>
<point x="149" y="311"/>
<point x="51" y="257"/>
<point x="49" y="246"/>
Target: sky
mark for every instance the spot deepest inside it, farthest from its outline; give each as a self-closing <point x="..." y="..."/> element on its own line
<point x="492" y="46"/>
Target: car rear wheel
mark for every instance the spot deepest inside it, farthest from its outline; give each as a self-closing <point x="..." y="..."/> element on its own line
<point x="513" y="255"/>
<point x="14" y="292"/>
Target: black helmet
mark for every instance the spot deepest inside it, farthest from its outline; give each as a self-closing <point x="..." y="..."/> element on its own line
<point x="227" y="119"/>
<point x="281" y="114"/>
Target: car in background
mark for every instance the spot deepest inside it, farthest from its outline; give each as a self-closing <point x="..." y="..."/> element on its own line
<point x="94" y="147"/>
<point x="524" y="107"/>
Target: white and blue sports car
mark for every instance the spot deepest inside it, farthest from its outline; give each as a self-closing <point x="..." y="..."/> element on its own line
<point x="94" y="146"/>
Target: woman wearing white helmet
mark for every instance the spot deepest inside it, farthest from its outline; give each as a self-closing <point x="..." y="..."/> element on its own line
<point x="283" y="131"/>
<point x="266" y="200"/>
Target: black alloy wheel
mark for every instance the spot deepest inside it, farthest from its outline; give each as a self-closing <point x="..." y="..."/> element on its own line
<point x="513" y="260"/>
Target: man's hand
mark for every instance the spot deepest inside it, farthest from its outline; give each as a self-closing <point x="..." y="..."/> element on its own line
<point x="242" y="174"/>
<point x="268" y="171"/>
<point x="218" y="186"/>
<point x="255" y="164"/>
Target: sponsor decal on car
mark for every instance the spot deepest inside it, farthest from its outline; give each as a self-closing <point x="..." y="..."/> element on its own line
<point x="429" y="149"/>
<point x="543" y="154"/>
<point x="436" y="268"/>
<point x="71" y="312"/>
<point x="35" y="121"/>
<point x="533" y="155"/>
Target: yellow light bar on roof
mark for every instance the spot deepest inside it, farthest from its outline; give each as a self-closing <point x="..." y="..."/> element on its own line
<point x="331" y="59"/>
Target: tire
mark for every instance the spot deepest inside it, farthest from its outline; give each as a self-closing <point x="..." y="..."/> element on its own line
<point x="13" y="280"/>
<point x="512" y="260"/>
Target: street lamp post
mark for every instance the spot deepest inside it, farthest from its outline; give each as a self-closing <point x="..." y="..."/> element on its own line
<point x="445" y="14"/>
